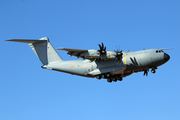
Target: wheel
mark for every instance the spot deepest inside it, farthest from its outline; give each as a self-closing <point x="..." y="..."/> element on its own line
<point x="153" y="71"/>
<point x="98" y="77"/>
<point x="108" y="75"/>
<point x="120" y="79"/>
<point x="103" y="76"/>
<point x="114" y="79"/>
<point x="109" y="80"/>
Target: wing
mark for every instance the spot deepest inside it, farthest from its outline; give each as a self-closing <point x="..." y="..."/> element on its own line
<point x="75" y="52"/>
<point x="85" y="54"/>
<point x="91" y="54"/>
<point x="72" y="50"/>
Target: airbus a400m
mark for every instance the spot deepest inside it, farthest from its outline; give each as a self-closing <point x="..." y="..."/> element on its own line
<point x="100" y="64"/>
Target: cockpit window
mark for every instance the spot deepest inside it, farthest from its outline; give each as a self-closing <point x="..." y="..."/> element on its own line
<point x="158" y="51"/>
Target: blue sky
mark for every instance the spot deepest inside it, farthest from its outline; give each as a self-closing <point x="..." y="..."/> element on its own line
<point x="30" y="93"/>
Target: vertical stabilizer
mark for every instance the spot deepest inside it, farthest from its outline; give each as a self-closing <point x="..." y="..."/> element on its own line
<point x="52" y="54"/>
<point x="45" y="51"/>
<point x="40" y="49"/>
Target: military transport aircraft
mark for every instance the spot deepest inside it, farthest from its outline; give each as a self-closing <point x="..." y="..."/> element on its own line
<point x="110" y="65"/>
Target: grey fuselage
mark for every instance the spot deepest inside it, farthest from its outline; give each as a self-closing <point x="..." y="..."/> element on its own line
<point x="132" y="61"/>
<point x="94" y="64"/>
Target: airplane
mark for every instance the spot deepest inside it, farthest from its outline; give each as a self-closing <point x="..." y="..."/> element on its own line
<point x="100" y="64"/>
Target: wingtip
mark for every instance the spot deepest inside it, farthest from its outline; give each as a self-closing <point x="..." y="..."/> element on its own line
<point x="167" y="48"/>
<point x="59" y="48"/>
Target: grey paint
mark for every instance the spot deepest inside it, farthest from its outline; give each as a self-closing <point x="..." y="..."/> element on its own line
<point x="92" y="66"/>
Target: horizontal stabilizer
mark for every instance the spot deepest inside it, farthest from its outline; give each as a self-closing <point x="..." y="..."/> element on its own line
<point x="43" y="49"/>
<point x="27" y="41"/>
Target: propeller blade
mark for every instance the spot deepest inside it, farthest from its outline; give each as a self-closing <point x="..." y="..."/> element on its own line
<point x="119" y="54"/>
<point x="105" y="48"/>
<point x="102" y="45"/>
<point x="102" y="49"/>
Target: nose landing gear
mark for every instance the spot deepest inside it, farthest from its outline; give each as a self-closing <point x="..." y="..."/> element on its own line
<point x="153" y="70"/>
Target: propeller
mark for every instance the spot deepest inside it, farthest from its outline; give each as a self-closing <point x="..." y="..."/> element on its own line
<point x="146" y="72"/>
<point x="119" y="55"/>
<point x="102" y="49"/>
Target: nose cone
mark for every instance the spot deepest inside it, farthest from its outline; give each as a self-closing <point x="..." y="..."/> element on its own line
<point x="166" y="57"/>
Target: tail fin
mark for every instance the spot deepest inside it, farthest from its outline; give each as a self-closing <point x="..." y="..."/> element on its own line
<point x="43" y="49"/>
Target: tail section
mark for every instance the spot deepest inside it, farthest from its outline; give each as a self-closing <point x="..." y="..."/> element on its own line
<point x="43" y="49"/>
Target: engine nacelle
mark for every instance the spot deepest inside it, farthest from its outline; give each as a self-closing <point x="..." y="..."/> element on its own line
<point x="93" y="52"/>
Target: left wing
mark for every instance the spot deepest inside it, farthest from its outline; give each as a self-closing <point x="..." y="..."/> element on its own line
<point x="85" y="54"/>
<point x="93" y="54"/>
<point x="81" y="53"/>
<point x="72" y="50"/>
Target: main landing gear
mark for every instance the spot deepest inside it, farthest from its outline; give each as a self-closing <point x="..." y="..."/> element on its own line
<point x="110" y="78"/>
<point x="114" y="79"/>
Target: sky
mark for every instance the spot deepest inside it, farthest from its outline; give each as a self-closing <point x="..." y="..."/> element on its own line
<point x="28" y="92"/>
